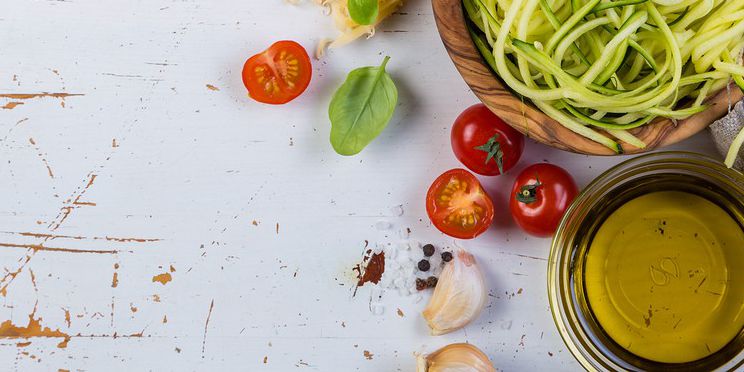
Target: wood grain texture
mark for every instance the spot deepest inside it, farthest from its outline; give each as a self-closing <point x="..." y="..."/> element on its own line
<point x="526" y="118"/>
<point x="262" y="222"/>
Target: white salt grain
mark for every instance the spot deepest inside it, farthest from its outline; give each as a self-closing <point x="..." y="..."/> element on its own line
<point x="408" y="270"/>
<point x="403" y="257"/>
<point x="411" y="282"/>
<point x="436" y="259"/>
<point x="377" y="308"/>
<point x="404" y="233"/>
<point x="391" y="253"/>
<point x="436" y="270"/>
<point x="386" y="281"/>
<point x="399" y="282"/>
<point x="376" y="292"/>
<point x="383" y="225"/>
<point x="392" y="265"/>
<point x="397" y="210"/>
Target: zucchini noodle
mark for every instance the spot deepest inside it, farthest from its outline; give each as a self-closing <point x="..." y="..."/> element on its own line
<point x="603" y="67"/>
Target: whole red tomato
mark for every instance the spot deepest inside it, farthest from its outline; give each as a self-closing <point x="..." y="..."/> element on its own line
<point x="484" y="143"/>
<point x="540" y="196"/>
<point x="458" y="206"/>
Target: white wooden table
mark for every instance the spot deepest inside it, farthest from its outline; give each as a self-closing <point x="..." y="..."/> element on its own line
<point x="144" y="175"/>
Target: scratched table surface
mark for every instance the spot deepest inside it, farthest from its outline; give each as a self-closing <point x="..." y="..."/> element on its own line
<point x="152" y="217"/>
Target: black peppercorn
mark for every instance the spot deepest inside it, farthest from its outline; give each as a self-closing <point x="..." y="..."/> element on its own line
<point x="431" y="282"/>
<point x="428" y="250"/>
<point x="420" y="284"/>
<point x="446" y="256"/>
<point x="424" y="265"/>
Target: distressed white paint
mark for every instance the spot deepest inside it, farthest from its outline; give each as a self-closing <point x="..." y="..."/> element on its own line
<point x="194" y="167"/>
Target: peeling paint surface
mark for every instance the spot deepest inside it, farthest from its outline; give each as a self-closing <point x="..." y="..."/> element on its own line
<point x="153" y="217"/>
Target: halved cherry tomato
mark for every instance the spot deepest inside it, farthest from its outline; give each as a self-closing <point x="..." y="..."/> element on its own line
<point x="278" y="74"/>
<point x="540" y="197"/>
<point x="458" y="206"/>
<point x="484" y="143"/>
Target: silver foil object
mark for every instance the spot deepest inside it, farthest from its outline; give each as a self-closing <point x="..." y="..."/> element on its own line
<point x="725" y="129"/>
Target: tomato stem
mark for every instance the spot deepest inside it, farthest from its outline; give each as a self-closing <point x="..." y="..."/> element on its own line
<point x="528" y="193"/>
<point x="493" y="148"/>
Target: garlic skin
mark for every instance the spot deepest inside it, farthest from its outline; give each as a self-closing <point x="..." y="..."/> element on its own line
<point x="459" y="296"/>
<point x="455" y="358"/>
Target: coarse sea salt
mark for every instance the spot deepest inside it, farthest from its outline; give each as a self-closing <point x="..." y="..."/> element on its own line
<point x="400" y="268"/>
<point x="401" y="264"/>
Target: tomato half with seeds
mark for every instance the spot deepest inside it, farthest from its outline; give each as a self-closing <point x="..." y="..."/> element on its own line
<point x="458" y="206"/>
<point x="540" y="197"/>
<point x="278" y="74"/>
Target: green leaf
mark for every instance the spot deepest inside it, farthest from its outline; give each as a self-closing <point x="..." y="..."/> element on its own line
<point x="361" y="108"/>
<point x="364" y="12"/>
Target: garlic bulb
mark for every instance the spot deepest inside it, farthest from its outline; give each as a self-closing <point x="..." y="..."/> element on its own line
<point x="458" y="297"/>
<point x="455" y="358"/>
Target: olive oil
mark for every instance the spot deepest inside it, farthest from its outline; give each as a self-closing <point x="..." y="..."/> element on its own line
<point x="665" y="276"/>
<point x="663" y="270"/>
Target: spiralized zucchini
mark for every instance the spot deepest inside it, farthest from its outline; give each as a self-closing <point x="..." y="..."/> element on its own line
<point x="612" y="65"/>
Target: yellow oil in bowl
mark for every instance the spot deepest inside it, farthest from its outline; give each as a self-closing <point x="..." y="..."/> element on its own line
<point x="646" y="271"/>
<point x="665" y="277"/>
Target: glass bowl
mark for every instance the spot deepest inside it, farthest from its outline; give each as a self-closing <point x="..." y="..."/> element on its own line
<point x="577" y="324"/>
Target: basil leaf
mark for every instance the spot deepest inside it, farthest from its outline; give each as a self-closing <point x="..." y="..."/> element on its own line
<point x="361" y="108"/>
<point x="363" y="12"/>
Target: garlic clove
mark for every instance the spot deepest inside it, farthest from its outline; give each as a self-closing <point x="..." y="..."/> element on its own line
<point x="458" y="297"/>
<point x="455" y="358"/>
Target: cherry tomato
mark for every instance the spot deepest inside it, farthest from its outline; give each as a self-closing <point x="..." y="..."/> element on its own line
<point x="278" y="74"/>
<point x="484" y="143"/>
<point x="540" y="196"/>
<point x="458" y="206"/>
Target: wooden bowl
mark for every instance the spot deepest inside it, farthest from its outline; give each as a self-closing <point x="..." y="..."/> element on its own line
<point x="526" y="118"/>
